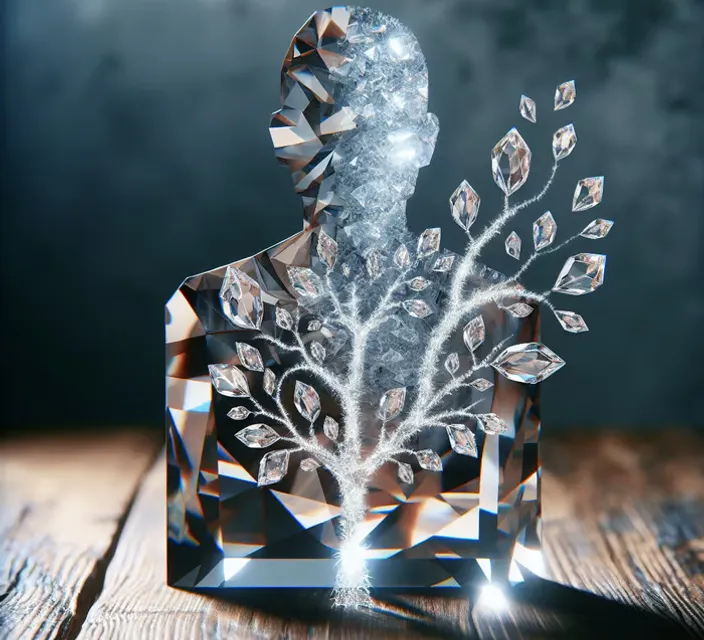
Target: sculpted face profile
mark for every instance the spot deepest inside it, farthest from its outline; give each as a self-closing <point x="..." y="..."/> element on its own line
<point x="355" y="407"/>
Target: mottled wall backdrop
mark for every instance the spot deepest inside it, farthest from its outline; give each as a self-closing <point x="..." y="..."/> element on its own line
<point x="135" y="151"/>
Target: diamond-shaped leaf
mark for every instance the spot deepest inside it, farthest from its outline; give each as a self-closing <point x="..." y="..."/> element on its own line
<point x="228" y="380"/>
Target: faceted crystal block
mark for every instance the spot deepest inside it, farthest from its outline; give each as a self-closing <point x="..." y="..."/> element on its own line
<point x="444" y="264"/>
<point x="305" y="282"/>
<point x="492" y="424"/>
<point x="229" y="380"/>
<point x="250" y="357"/>
<point x="597" y="229"/>
<point x="565" y="95"/>
<point x="571" y="321"/>
<point x="273" y="467"/>
<point x="544" y="231"/>
<point x="428" y="243"/>
<point x="530" y="362"/>
<point x="306" y="401"/>
<point x="241" y="301"/>
<point x="392" y="403"/>
<point x="563" y="142"/>
<point x="520" y="310"/>
<point x="429" y="460"/>
<point x="510" y="162"/>
<point x="588" y="193"/>
<point x="464" y="204"/>
<point x="581" y="274"/>
<point x="513" y="245"/>
<point x="528" y="109"/>
<point x="462" y="440"/>
<point x="257" y="436"/>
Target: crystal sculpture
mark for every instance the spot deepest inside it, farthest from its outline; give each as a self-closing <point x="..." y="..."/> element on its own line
<point x="357" y="407"/>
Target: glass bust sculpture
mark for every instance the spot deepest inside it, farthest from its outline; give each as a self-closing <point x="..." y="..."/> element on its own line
<point x="354" y="407"/>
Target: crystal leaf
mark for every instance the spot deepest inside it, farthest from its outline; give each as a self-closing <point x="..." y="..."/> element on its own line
<point x="307" y="401"/>
<point x="565" y="95"/>
<point x="510" y="162"/>
<point x="240" y="298"/>
<point x="443" y="264"/>
<point x="305" y="282"/>
<point x="331" y="428"/>
<point x="513" y="245"/>
<point x="315" y="325"/>
<point x="491" y="423"/>
<point x="429" y="242"/>
<point x="429" y="460"/>
<point x="563" y="142"/>
<point x="327" y="249"/>
<point x="269" y="382"/>
<point x="452" y="363"/>
<point x="346" y="270"/>
<point x="238" y="413"/>
<point x="373" y="264"/>
<point x="544" y="231"/>
<point x="258" y="436"/>
<point x="405" y="473"/>
<point x="309" y="464"/>
<point x="391" y="403"/>
<point x="419" y="283"/>
<point x="581" y="274"/>
<point x="317" y="350"/>
<point x="284" y="319"/>
<point x="481" y="384"/>
<point x="528" y="109"/>
<point x="571" y="322"/>
<point x="464" y="205"/>
<point x="474" y="333"/>
<point x="417" y="308"/>
<point x="597" y="229"/>
<point x="588" y="193"/>
<point x="402" y="259"/>
<point x="273" y="467"/>
<point x="250" y="357"/>
<point x="529" y="362"/>
<point x="228" y="380"/>
<point x="520" y="310"/>
<point x="462" y="440"/>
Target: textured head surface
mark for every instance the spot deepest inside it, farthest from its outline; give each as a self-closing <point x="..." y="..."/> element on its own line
<point x="354" y="127"/>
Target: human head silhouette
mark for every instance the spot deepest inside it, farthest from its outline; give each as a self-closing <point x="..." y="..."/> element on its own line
<point x="354" y="127"/>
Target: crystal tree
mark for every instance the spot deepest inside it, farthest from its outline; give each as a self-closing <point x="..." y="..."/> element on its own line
<point x="357" y="347"/>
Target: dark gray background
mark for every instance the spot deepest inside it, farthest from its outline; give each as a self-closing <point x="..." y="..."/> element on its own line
<point x="135" y="152"/>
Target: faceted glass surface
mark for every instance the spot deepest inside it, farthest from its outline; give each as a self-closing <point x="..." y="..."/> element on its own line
<point x="510" y="162"/>
<point x="241" y="519"/>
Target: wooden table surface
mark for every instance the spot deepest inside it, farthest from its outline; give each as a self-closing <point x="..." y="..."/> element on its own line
<point x="82" y="542"/>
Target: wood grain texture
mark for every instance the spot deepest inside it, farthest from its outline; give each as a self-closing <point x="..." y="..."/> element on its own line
<point x="624" y="519"/>
<point x="62" y="507"/>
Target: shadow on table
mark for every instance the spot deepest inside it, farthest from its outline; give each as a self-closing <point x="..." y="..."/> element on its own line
<point x="538" y="609"/>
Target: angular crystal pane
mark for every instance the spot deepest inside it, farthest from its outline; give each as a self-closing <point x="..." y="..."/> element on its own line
<point x="405" y="473"/>
<point x="228" y="380"/>
<point x="443" y="264"/>
<point x="513" y="245"/>
<point x="492" y="424"/>
<point x="571" y="321"/>
<point x="544" y="231"/>
<point x="240" y="298"/>
<point x="257" y="436"/>
<point x="419" y="283"/>
<point x="528" y="109"/>
<point x="474" y="333"/>
<point x="510" y="162"/>
<point x="565" y="95"/>
<point x="581" y="274"/>
<point x="428" y="243"/>
<point x="464" y="205"/>
<point x="306" y="401"/>
<point x="529" y="362"/>
<point x="452" y="363"/>
<point x="597" y="229"/>
<point x="250" y="357"/>
<point x="462" y="440"/>
<point x="273" y="467"/>
<point x="563" y="142"/>
<point x="588" y="193"/>
<point x="391" y="403"/>
<point x="331" y="428"/>
<point x="305" y="282"/>
<point x="429" y="460"/>
<point x="417" y="308"/>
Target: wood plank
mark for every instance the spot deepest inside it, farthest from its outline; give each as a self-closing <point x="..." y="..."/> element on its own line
<point x="624" y="517"/>
<point x="64" y="501"/>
